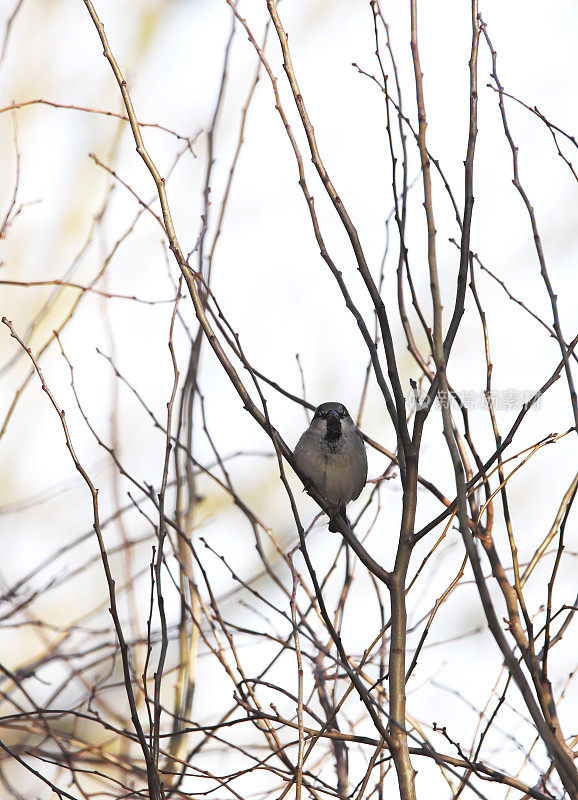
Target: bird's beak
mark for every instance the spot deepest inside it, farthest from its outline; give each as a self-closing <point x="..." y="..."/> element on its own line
<point x="332" y="415"/>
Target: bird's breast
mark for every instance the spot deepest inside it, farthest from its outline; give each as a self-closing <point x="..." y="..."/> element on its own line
<point x="342" y="480"/>
<point x="337" y="468"/>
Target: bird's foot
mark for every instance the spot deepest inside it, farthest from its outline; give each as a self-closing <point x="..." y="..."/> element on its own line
<point x="337" y="515"/>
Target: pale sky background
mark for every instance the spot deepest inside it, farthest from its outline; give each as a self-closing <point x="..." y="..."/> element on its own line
<point x="268" y="276"/>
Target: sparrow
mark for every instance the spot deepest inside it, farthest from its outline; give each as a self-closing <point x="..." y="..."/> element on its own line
<point x="331" y="453"/>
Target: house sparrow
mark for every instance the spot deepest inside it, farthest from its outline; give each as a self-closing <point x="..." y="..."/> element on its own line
<point x="331" y="453"/>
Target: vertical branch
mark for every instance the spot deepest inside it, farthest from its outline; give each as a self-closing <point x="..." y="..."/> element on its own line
<point x="186" y="501"/>
<point x="154" y="781"/>
<point x="427" y="190"/>
<point x="400" y="214"/>
<point x="300" y="747"/>
<point x="535" y="232"/>
<point x="560" y="757"/>
<point x="547" y="636"/>
<point x="398" y="418"/>
<point x="158" y="677"/>
<point x="397" y="649"/>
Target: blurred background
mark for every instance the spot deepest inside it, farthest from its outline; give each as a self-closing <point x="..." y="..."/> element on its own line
<point x="71" y="202"/>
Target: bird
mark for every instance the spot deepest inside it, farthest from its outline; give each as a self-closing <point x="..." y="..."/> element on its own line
<point x="331" y="454"/>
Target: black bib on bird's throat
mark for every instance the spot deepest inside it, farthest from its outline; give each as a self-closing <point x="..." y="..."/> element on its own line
<point x="333" y="429"/>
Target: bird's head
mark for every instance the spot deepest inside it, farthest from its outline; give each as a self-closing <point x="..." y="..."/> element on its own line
<point x="330" y="418"/>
